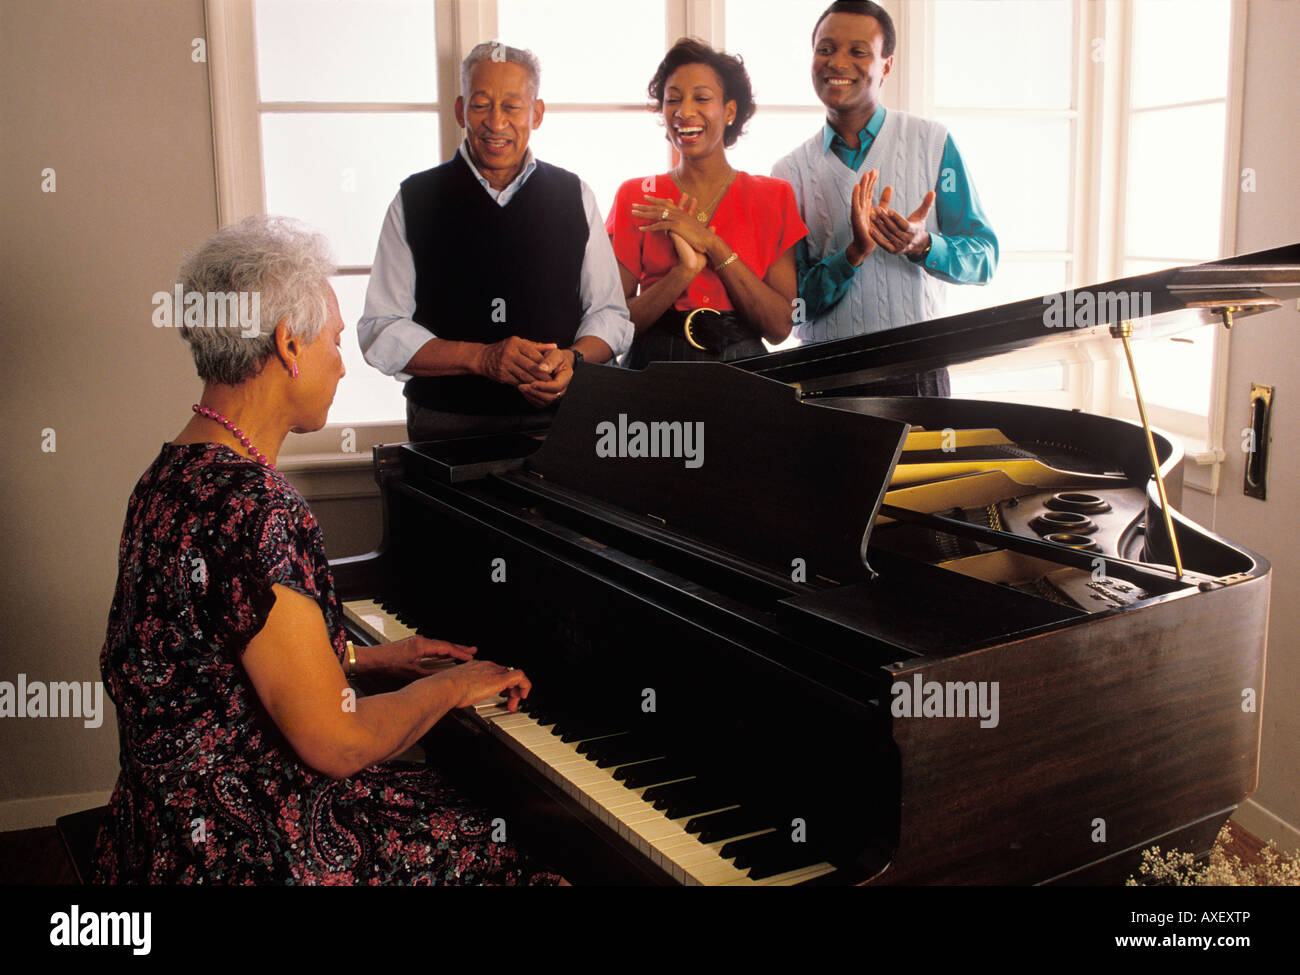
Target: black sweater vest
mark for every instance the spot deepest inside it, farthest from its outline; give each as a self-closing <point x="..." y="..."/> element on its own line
<point x="484" y="272"/>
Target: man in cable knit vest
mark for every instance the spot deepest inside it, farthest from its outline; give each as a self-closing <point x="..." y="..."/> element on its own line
<point x="865" y="267"/>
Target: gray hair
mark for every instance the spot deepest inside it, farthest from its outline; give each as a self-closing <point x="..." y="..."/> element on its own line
<point x="496" y="51"/>
<point x="279" y="260"/>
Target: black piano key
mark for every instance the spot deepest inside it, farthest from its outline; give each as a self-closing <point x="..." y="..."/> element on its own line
<point x="769" y="854"/>
<point x="793" y="860"/>
<point x="579" y="730"/>
<point x="601" y="747"/>
<point x="652" y="773"/>
<point x="585" y="747"/>
<point x="622" y="750"/>
<point x="680" y="799"/>
<point x="726" y="824"/>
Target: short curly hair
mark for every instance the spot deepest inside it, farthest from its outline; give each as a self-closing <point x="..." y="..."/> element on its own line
<point x="282" y="261"/>
<point x="730" y="68"/>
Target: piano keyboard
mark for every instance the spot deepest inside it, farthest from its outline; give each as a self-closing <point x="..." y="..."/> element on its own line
<point x="701" y="845"/>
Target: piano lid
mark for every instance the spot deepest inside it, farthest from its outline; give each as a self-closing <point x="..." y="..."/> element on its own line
<point x="1158" y="304"/>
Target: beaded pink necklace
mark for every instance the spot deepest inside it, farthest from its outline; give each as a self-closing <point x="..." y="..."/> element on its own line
<point x="212" y="414"/>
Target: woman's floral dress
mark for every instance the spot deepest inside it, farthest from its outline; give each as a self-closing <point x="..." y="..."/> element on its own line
<point x="210" y="791"/>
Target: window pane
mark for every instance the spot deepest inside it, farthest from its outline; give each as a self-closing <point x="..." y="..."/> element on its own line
<point x="1014" y="281"/>
<point x="1175" y="182"/>
<point x="967" y="72"/>
<point x="1174" y="372"/>
<point x="364" y="394"/>
<point x="603" y="148"/>
<point x="1146" y="267"/>
<point x="346" y="50"/>
<point x="340" y="172"/>
<point x="781" y="73"/>
<point x="1031" y="379"/>
<point x="771" y="135"/>
<point x="590" y="50"/>
<point x="1021" y="171"/>
<point x="1180" y="51"/>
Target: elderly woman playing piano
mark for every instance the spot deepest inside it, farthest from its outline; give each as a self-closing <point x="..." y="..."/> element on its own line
<point x="246" y="758"/>
<point x="706" y="252"/>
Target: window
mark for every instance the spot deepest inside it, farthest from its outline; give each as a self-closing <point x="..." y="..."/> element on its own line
<point x="1177" y="125"/>
<point x="1086" y="148"/>
<point x="1085" y="126"/>
<point x="596" y="122"/>
<point x="348" y="108"/>
<point x="788" y="109"/>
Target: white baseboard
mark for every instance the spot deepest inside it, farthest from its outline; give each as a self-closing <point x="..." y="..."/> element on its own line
<point x="43" y="811"/>
<point x="1258" y="820"/>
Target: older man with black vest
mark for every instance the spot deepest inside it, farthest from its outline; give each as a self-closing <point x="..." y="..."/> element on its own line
<point x="864" y="267"/>
<point x="493" y="276"/>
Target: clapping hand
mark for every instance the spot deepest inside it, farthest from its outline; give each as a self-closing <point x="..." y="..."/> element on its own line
<point x="676" y="218"/>
<point x="860" y="210"/>
<point x="692" y="260"/>
<point x="898" y="234"/>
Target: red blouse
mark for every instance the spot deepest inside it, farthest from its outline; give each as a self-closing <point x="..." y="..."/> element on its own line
<point x="758" y="217"/>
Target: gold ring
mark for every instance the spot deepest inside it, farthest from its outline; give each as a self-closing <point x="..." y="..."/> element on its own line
<point x="664" y="215"/>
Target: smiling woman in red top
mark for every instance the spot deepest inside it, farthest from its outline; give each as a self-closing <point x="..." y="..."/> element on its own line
<point x="706" y="253"/>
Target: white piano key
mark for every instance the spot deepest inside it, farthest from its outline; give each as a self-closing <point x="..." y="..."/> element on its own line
<point x="647" y="830"/>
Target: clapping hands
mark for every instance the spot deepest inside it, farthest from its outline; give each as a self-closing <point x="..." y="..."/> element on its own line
<point x="880" y="226"/>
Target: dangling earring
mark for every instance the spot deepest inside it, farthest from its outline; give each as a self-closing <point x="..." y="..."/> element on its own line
<point x="295" y="369"/>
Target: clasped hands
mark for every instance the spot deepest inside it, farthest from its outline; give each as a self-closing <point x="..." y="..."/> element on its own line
<point x="692" y="240"/>
<point x="539" y="370"/>
<point x="876" y="225"/>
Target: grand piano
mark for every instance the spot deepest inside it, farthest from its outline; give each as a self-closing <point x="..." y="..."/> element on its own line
<point x="781" y="631"/>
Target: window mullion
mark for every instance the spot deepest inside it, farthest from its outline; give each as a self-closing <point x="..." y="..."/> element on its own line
<point x="236" y="126"/>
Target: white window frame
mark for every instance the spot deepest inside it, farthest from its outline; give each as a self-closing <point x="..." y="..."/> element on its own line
<point x="1100" y="99"/>
<point x="1099" y="111"/>
<point x="237" y="150"/>
<point x="1202" y="434"/>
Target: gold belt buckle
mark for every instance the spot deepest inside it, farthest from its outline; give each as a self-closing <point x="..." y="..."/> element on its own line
<point x="686" y="327"/>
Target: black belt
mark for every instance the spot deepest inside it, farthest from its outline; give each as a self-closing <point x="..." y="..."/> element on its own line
<point x="706" y="329"/>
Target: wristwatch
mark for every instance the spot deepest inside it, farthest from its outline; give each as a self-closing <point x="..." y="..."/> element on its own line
<point x="577" y="356"/>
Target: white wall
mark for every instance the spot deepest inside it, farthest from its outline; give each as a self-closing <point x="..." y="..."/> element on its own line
<point x="1266" y="349"/>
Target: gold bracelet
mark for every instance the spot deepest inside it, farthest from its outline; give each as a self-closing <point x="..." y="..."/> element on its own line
<point x="352" y="660"/>
<point x="729" y="260"/>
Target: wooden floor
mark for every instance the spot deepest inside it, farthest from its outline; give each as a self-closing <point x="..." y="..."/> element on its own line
<point x="37" y="856"/>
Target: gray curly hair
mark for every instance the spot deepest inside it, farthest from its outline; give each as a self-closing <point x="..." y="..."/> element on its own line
<point x="496" y="51"/>
<point x="280" y="260"/>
